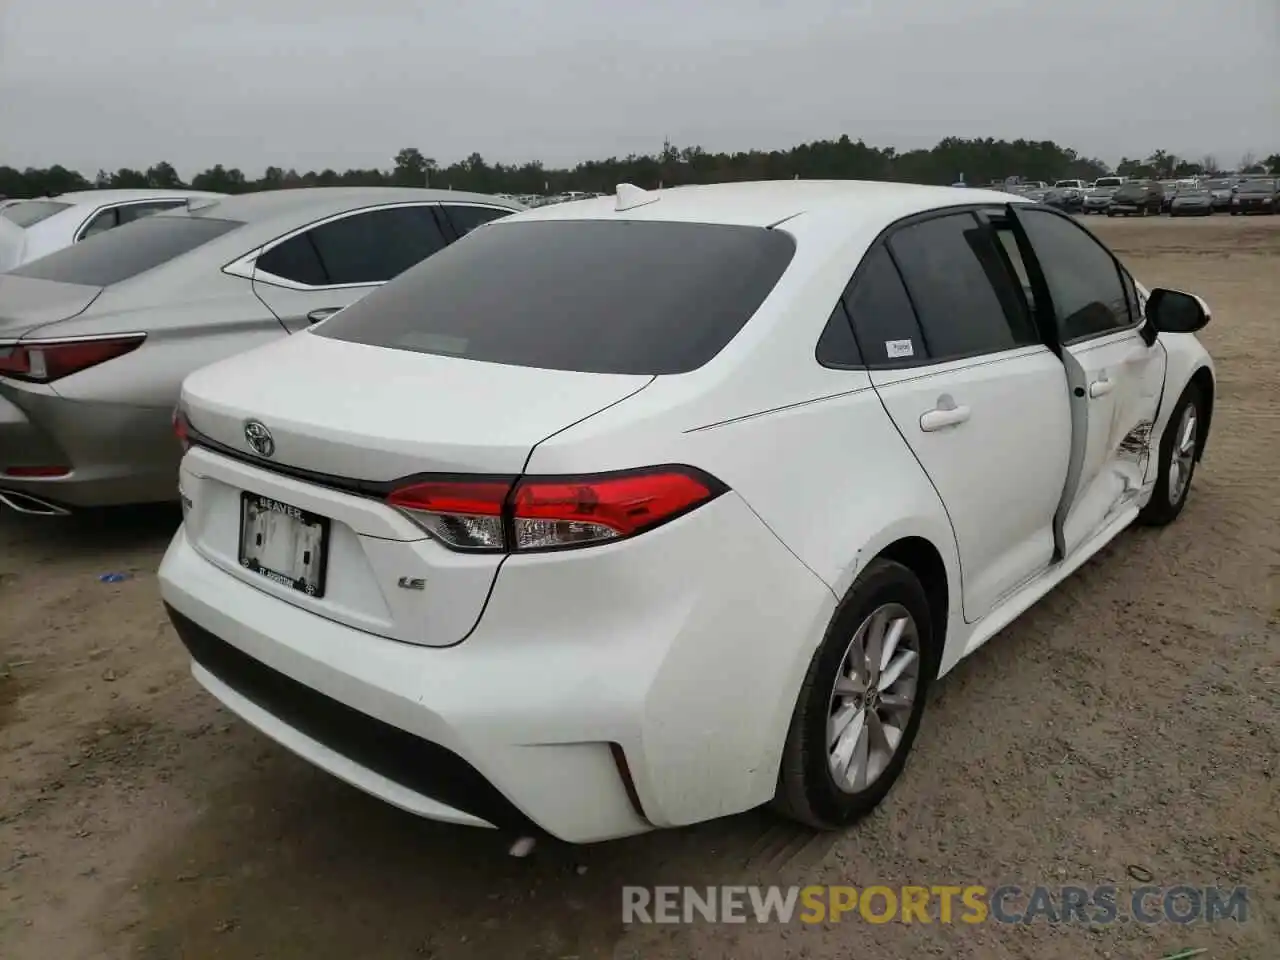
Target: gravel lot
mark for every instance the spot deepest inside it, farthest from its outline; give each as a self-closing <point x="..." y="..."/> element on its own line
<point x="1128" y="719"/>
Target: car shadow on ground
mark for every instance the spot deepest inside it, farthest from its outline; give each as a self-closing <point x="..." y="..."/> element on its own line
<point x="289" y="863"/>
<point x="112" y="533"/>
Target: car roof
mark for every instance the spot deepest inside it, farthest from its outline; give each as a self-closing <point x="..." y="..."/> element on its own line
<point x="313" y="203"/>
<point x="767" y="203"/>
<point x="97" y="198"/>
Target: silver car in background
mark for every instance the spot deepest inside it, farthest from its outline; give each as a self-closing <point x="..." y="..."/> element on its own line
<point x="30" y="229"/>
<point x="96" y="339"/>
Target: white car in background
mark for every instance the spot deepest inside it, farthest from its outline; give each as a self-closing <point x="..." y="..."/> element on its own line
<point x="30" y="229"/>
<point x="640" y="511"/>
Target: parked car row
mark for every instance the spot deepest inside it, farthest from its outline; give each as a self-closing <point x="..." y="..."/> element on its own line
<point x="1117" y="196"/>
<point x="682" y="498"/>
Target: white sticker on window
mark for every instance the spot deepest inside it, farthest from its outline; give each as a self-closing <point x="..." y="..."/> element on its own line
<point x="897" y="349"/>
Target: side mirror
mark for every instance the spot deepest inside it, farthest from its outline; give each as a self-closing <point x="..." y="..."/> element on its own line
<point x="1171" y="311"/>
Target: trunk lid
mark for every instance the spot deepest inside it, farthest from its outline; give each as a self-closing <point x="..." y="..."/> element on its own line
<point x="361" y="416"/>
<point x="26" y="303"/>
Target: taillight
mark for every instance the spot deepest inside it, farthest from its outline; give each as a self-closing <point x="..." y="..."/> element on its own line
<point x="43" y="361"/>
<point x="181" y="428"/>
<point x="463" y="514"/>
<point x="550" y="513"/>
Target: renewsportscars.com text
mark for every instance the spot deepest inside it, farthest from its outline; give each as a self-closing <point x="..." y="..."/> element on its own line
<point x="942" y="903"/>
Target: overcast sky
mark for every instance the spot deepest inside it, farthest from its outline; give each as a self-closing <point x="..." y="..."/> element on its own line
<point x="345" y="83"/>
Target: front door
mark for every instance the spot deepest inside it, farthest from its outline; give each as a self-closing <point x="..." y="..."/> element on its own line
<point x="1114" y="375"/>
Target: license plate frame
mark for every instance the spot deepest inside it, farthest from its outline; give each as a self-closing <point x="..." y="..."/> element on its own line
<point x="309" y="586"/>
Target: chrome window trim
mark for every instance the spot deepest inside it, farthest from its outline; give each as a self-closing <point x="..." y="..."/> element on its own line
<point x="84" y="224"/>
<point x="243" y="266"/>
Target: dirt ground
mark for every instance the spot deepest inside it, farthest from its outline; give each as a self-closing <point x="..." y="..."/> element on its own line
<point x="1129" y="720"/>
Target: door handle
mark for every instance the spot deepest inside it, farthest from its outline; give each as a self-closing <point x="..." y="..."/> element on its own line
<point x="945" y="414"/>
<point x="1100" y="388"/>
<point x="324" y="313"/>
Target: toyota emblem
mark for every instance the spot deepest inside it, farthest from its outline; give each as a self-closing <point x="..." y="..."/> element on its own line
<point x="259" y="438"/>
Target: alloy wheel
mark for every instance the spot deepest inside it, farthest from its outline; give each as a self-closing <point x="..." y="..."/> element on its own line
<point x="873" y="697"/>
<point x="1182" y="458"/>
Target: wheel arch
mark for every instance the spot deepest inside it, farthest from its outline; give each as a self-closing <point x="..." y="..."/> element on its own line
<point x="924" y="560"/>
<point x="1203" y="379"/>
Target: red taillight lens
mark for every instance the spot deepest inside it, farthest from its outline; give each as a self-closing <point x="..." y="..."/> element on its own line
<point x="43" y="361"/>
<point x="463" y="514"/>
<point x="181" y="428"/>
<point x="548" y="513"/>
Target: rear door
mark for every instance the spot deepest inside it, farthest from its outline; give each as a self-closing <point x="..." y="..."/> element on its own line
<point x="962" y="370"/>
<point x="309" y="275"/>
<point x="1114" y="375"/>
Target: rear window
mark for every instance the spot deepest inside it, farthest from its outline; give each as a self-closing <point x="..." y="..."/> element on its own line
<point x="116" y="255"/>
<point x="26" y="213"/>
<point x="630" y="297"/>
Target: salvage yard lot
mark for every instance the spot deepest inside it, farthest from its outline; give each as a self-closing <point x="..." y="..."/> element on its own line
<point x="1132" y="718"/>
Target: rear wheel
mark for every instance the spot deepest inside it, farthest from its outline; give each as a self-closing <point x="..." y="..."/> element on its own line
<point x="861" y="701"/>
<point x="1179" y="449"/>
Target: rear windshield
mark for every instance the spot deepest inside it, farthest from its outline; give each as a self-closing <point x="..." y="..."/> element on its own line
<point x="1108" y="182"/>
<point x="633" y="297"/>
<point x="26" y="213"/>
<point x="116" y="255"/>
<point x="1257" y="186"/>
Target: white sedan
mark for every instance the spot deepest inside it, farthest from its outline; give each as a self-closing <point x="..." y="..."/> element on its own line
<point x="640" y="511"/>
<point x="31" y="229"/>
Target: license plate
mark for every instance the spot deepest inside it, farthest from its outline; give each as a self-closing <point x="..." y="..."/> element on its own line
<point x="283" y="543"/>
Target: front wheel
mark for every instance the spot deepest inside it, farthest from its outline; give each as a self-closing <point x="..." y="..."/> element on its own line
<point x="861" y="701"/>
<point x="1179" y="451"/>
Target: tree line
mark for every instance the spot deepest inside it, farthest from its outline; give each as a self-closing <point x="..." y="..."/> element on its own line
<point x="976" y="161"/>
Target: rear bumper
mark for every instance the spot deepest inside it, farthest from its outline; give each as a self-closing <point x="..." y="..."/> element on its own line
<point x="117" y="453"/>
<point x="649" y="686"/>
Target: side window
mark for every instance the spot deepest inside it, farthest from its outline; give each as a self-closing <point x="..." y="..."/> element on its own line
<point x="104" y="221"/>
<point x="373" y="247"/>
<point x="1089" y="298"/>
<point x="837" y="346"/>
<point x="135" y="210"/>
<point x="883" y="318"/>
<point x="1137" y="307"/>
<point x="465" y="219"/>
<point x="295" y="259"/>
<point x="967" y="301"/>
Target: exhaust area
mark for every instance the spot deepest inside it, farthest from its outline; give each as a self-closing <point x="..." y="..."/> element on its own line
<point x="32" y="506"/>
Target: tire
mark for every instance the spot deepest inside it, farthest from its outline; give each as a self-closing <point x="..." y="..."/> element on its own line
<point x="1163" y="508"/>
<point x="808" y="791"/>
<point x="1111" y="213"/>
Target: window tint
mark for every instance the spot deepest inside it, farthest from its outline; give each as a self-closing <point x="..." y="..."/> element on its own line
<point x="837" y="346"/>
<point x="599" y="296"/>
<point x="882" y="314"/>
<point x="1084" y="281"/>
<point x="967" y="301"/>
<point x="296" y="259"/>
<point x="136" y="211"/>
<point x="373" y="247"/>
<point x="132" y="249"/>
<point x="106" y="220"/>
<point x="466" y="219"/>
<point x="27" y="213"/>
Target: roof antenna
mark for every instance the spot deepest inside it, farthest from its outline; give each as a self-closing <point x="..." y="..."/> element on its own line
<point x="630" y="197"/>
